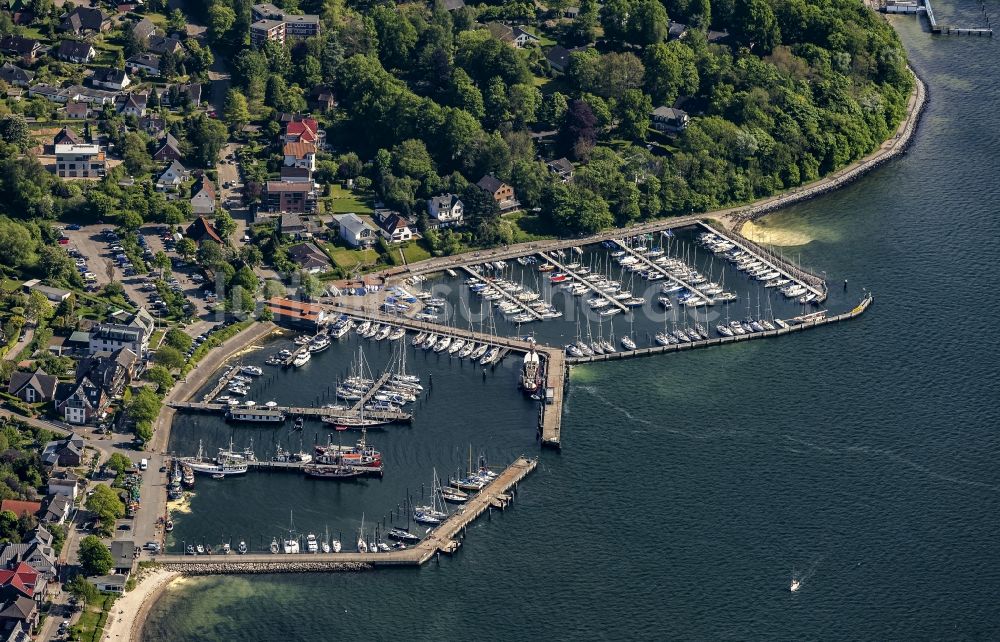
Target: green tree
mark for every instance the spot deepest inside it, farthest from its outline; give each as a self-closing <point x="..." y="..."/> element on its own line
<point x="107" y="505"/>
<point x="633" y="110"/>
<point x="130" y="221"/>
<point x="670" y="72"/>
<point x="210" y="254"/>
<point x="755" y="26"/>
<point x="648" y="22"/>
<point x="84" y="590"/>
<point x="251" y="255"/>
<point x="225" y="224"/>
<point x="177" y="22"/>
<point x="220" y="20"/>
<point x="135" y="155"/>
<point x="236" y="110"/>
<point x="310" y="286"/>
<point x="187" y="248"/>
<point x="161" y="377"/>
<point x="14" y="130"/>
<point x="178" y="339"/>
<point x="207" y="136"/>
<point x="119" y="463"/>
<point x="95" y="557"/>
<point x="169" y="357"/>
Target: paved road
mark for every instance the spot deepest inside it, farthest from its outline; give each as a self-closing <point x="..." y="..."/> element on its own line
<point x="29" y="334"/>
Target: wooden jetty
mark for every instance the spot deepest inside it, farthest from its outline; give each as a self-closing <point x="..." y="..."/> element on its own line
<point x="716" y="341"/>
<point x="223" y="382"/>
<point x="662" y="270"/>
<point x="443" y="539"/>
<point x="295" y="354"/>
<point x="371" y="392"/>
<point x="504" y="293"/>
<point x="584" y="280"/>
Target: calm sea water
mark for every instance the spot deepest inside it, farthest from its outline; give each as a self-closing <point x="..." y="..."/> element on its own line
<point x="690" y="487"/>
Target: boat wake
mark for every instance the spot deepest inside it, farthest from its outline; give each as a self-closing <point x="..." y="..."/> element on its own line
<point x="888" y="454"/>
<point x="593" y="392"/>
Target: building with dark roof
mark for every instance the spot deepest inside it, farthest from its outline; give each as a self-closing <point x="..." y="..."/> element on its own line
<point x="202" y="230"/>
<point x="308" y="257"/>
<point x="668" y="119"/>
<point x="75" y="51"/>
<point x="395" y="227"/>
<point x="169" y="149"/>
<point x="561" y="167"/>
<point x="32" y="387"/>
<point x="501" y="192"/>
<point x="81" y="402"/>
<point x="84" y="20"/>
<point x="123" y="553"/>
<point x="26" y="48"/>
<point x="143" y="29"/>
<point x="63" y="452"/>
<point x="14" y="75"/>
<point x="446" y="210"/>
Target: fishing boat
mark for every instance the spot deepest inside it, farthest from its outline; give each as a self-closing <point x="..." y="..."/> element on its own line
<point x="301" y="359"/>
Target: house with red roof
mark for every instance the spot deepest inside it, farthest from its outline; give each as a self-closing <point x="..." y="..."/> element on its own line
<point x="18" y="582"/>
<point x="202" y="230"/>
<point x="18" y="599"/>
<point x="301" y="130"/>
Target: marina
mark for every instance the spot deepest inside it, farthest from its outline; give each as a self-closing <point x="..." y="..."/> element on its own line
<point x="577" y="277"/>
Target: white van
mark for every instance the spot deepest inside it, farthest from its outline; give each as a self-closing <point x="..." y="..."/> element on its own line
<point x="144" y="464"/>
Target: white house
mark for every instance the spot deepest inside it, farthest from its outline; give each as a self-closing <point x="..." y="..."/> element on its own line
<point x="394" y="227"/>
<point x="134" y="335"/>
<point x="300" y="155"/>
<point x="115" y="79"/>
<point x="446" y="209"/>
<point x="172" y="177"/>
<point x="356" y="231"/>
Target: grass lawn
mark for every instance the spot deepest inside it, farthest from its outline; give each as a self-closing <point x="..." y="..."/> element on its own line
<point x="527" y="227"/>
<point x="94" y="617"/>
<point x="349" y="258"/>
<point x="415" y="251"/>
<point x="9" y="285"/>
<point x="342" y="201"/>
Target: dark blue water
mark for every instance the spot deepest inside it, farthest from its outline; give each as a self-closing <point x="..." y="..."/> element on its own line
<point x="860" y="456"/>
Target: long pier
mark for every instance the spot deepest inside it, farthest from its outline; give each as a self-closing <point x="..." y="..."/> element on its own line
<point x="704" y="343"/>
<point x="385" y="415"/>
<point x="504" y="293"/>
<point x="443" y="539"/>
<point x="584" y="280"/>
<point x="771" y="261"/>
<point x="550" y="414"/>
<point x="662" y="270"/>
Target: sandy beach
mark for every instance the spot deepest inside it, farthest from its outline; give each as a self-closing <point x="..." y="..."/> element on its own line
<point x="125" y="623"/>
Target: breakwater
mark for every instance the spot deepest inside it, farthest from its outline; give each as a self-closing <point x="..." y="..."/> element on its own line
<point x="230" y="566"/>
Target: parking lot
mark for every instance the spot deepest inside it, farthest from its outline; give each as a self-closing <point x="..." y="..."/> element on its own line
<point x="94" y="247"/>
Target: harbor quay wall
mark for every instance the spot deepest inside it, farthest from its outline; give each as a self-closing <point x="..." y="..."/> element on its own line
<point x="229" y="566"/>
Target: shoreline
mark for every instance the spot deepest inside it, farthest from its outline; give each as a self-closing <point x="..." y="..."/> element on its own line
<point x="130" y="611"/>
<point x="730" y="218"/>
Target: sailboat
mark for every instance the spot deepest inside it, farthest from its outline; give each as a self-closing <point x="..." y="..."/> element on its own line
<point x="362" y="544"/>
<point x="627" y="342"/>
<point x="290" y="544"/>
<point x="437" y="511"/>
<point x="325" y="545"/>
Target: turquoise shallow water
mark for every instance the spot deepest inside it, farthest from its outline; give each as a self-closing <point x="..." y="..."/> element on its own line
<point x="690" y="487"/>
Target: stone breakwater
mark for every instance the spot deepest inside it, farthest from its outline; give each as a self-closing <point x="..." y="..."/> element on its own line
<point x="889" y="150"/>
<point x="250" y="568"/>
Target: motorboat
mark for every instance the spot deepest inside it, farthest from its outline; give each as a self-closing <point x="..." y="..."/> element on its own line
<point x="242" y="548"/>
<point x="312" y="544"/>
<point x="320" y="343"/>
<point x="226" y="548"/>
<point x="274" y="546"/>
<point x="253" y="371"/>
<point x="302" y="359"/>
<point x="336" y="545"/>
<point x="795" y="585"/>
<point x="290" y="545"/>
<point x="200" y="549"/>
